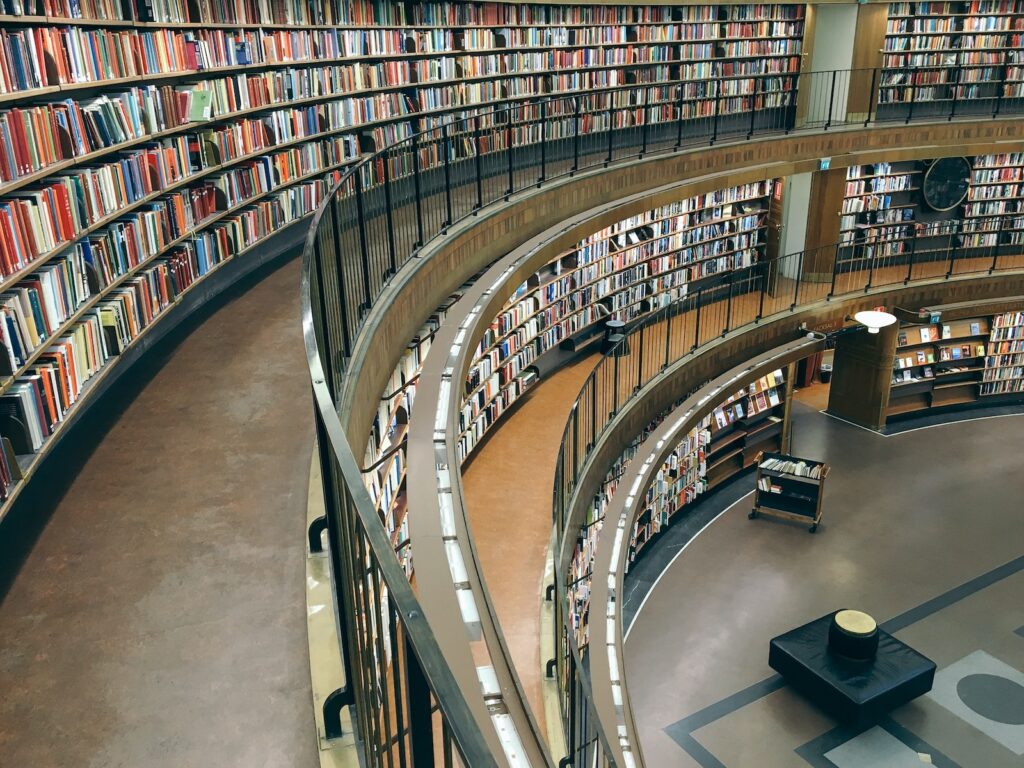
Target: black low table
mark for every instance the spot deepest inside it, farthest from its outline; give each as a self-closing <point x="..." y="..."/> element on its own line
<point x="856" y="692"/>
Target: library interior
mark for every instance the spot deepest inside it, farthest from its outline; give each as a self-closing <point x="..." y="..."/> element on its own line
<point x="699" y="328"/>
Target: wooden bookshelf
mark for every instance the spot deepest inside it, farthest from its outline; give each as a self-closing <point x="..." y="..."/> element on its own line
<point x="210" y="127"/>
<point x="623" y="272"/>
<point x="936" y="53"/>
<point x="728" y="441"/>
<point x="937" y="364"/>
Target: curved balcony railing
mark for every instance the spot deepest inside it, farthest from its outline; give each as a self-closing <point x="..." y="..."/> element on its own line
<point x="915" y="253"/>
<point x="406" y="703"/>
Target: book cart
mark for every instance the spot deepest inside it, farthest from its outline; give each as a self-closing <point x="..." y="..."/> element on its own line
<point x="789" y="488"/>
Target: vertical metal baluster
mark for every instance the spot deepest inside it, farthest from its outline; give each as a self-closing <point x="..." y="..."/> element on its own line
<point x="799" y="277"/>
<point x="388" y="205"/>
<point x="508" y="150"/>
<point x="913" y="93"/>
<point x="668" y="335"/>
<point x="679" y="118"/>
<point x="446" y="150"/>
<point x="831" y="100"/>
<point x="479" y="163"/>
<point x="728" y="305"/>
<point x="871" y="96"/>
<point x="910" y="261"/>
<point x="696" y="325"/>
<point x="764" y="269"/>
<point x="718" y="102"/>
<point x="1002" y="87"/>
<point x="576" y="137"/>
<point x="417" y="190"/>
<point x="363" y="246"/>
<point x="643" y="128"/>
<point x="543" y="141"/>
<point x="951" y="244"/>
<point x="753" y="107"/>
<point x="611" y="123"/>
<point x="640" y="358"/>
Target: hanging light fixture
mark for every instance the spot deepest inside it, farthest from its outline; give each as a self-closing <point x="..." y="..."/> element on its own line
<point x="873" y="320"/>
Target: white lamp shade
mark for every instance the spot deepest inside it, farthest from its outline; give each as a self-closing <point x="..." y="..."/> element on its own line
<point x="874" y="320"/>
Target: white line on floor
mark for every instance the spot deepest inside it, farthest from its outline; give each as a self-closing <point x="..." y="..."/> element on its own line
<point x="670" y="562"/>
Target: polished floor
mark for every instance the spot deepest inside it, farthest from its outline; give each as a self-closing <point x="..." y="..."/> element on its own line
<point x="922" y="530"/>
<point x="509" y="507"/>
<point x="159" y="620"/>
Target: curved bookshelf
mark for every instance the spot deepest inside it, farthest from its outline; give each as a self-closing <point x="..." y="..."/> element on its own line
<point x="623" y="272"/>
<point x="143" y="144"/>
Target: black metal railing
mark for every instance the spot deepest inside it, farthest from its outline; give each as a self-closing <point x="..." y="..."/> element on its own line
<point x="912" y="252"/>
<point x="382" y="213"/>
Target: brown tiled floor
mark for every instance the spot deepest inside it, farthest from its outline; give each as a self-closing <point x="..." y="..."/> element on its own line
<point x="159" y="620"/>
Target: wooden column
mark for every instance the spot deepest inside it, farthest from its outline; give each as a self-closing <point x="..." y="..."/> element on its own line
<point x="868" y="43"/>
<point x="861" y="375"/>
<point x="828" y="189"/>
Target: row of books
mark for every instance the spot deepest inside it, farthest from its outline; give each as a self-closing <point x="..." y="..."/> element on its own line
<point x="794" y="468"/>
<point x="674" y="220"/>
<point x="42" y="395"/>
<point x="36" y="223"/>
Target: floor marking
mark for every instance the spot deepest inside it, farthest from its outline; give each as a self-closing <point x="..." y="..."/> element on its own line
<point x="858" y="426"/>
<point x="681" y="731"/>
<point x="951" y="423"/>
<point x="665" y="570"/>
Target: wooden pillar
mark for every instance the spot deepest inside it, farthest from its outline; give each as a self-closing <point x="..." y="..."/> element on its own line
<point x="868" y="44"/>
<point x="828" y="189"/>
<point x="861" y="376"/>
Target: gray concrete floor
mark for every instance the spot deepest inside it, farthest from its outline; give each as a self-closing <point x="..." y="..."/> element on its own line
<point x="908" y="519"/>
<point x="159" y="619"/>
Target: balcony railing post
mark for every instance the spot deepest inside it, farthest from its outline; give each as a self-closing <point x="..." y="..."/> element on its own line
<point x="955" y="88"/>
<point x="799" y="278"/>
<point x="679" y="117"/>
<point x="1002" y="86"/>
<point x="643" y="128"/>
<point x="479" y="162"/>
<point x="910" y="261"/>
<point x="668" y="335"/>
<point x="835" y="272"/>
<point x="343" y="298"/>
<point x="421" y="729"/>
<point x="871" y="95"/>
<point x="728" y="306"/>
<point x="446" y="149"/>
<point x="363" y="245"/>
<point x="718" y="107"/>
<point x="831" y="100"/>
<point x="640" y="359"/>
<point x="995" y="251"/>
<point x="508" y="151"/>
<point x="753" y="107"/>
<point x="696" y="324"/>
<point x="576" y="131"/>
<point x="611" y="123"/>
<point x="913" y="93"/>
<point x="763" y="268"/>
<point x="417" y="189"/>
<point x="615" y="382"/>
<point x="543" y="141"/>
<point x="388" y="205"/>
<point x="951" y="244"/>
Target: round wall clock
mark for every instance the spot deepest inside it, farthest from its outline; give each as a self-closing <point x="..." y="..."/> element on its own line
<point x="945" y="183"/>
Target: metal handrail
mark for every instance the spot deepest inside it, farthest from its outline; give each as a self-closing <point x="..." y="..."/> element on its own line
<point x="380" y="214"/>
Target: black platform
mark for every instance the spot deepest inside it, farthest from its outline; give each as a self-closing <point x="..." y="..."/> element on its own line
<point x="855" y="692"/>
